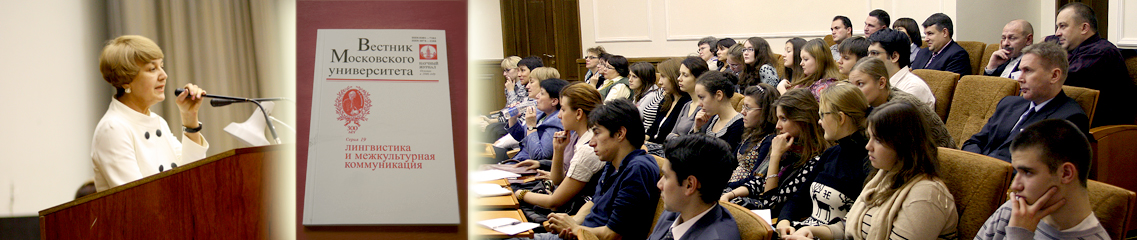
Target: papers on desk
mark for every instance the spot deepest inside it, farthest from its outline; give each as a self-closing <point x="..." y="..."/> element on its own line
<point x="490" y="175"/>
<point x="764" y="214"/>
<point x="508" y="225"/>
<point x="489" y="190"/>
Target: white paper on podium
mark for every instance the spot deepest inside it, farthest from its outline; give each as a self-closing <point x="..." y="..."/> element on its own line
<point x="381" y="150"/>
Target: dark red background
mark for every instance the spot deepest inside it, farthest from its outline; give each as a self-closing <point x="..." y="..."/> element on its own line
<point x="444" y="15"/>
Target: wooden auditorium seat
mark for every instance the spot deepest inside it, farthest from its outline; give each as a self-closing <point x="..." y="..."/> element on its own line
<point x="1113" y="207"/>
<point x="736" y="101"/>
<point x="987" y="52"/>
<point x="943" y="85"/>
<point x="978" y="184"/>
<point x="1087" y="98"/>
<point x="750" y="225"/>
<point x="974" y="102"/>
<point x="975" y="52"/>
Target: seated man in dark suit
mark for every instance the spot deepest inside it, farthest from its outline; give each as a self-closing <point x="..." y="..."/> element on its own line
<point x="625" y="199"/>
<point x="697" y="169"/>
<point x="1043" y="73"/>
<point x="1004" y="62"/>
<point x="942" y="53"/>
<point x="1095" y="63"/>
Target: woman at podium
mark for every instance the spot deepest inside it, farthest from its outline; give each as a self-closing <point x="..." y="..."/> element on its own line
<point x="130" y="141"/>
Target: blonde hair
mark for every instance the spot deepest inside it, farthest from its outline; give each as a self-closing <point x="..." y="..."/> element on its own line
<point x="510" y="62"/>
<point x="826" y="67"/>
<point x="543" y="73"/>
<point x="123" y="57"/>
<point x="874" y="67"/>
<point x="848" y="99"/>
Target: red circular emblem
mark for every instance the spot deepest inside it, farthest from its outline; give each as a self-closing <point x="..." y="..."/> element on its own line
<point x="353" y="104"/>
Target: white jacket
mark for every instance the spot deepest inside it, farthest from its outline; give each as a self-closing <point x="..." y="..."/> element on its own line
<point x="129" y="145"/>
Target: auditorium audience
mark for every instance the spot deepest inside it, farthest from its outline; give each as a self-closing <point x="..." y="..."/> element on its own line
<point x="910" y="27"/>
<point x="792" y="155"/>
<point x="1095" y="63"/>
<point x="591" y="61"/>
<point x="574" y="164"/>
<point x="878" y="19"/>
<point x="1048" y="196"/>
<point x="688" y="73"/>
<point x="759" y="119"/>
<point x="1044" y="71"/>
<point x="943" y="53"/>
<point x="838" y="174"/>
<point x="695" y="169"/>
<point x="905" y="198"/>
<point x="759" y="63"/>
<point x="854" y="159"/>
<point x="667" y="114"/>
<point x="850" y="51"/>
<point x="707" y="51"/>
<point x="721" y="48"/>
<point x="718" y="117"/>
<point x="614" y="68"/>
<point x="1004" y="62"/>
<point x="871" y="76"/>
<point x="891" y="46"/>
<point x="536" y="132"/>
<point x="818" y="71"/>
<point x="792" y="62"/>
<point x="624" y="202"/>
<point x="841" y="28"/>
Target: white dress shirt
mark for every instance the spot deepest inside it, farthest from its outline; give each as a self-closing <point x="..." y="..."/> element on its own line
<point x="912" y="84"/>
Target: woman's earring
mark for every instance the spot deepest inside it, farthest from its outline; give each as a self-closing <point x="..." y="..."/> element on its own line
<point x="128" y="90"/>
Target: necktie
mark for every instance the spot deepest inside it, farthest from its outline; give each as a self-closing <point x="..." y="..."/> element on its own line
<point x="1029" y="111"/>
<point x="668" y="236"/>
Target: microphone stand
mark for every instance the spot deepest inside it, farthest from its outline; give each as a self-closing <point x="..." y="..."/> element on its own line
<point x="218" y="101"/>
<point x="271" y="128"/>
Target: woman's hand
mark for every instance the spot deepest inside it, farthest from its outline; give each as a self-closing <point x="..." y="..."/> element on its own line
<point x="189" y="102"/>
<point x="509" y="84"/>
<point x="781" y="143"/>
<point x="784" y="228"/>
<point x="528" y="164"/>
<point x="560" y="141"/>
<point x="802" y="234"/>
<point x="531" y="117"/>
<point x="701" y="118"/>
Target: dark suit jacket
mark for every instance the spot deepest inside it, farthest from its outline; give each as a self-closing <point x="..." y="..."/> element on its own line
<point x="716" y="224"/>
<point x="999" y="70"/>
<point x="953" y="59"/>
<point x="995" y="138"/>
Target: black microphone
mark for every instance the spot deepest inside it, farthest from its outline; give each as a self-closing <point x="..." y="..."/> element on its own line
<point x="180" y="90"/>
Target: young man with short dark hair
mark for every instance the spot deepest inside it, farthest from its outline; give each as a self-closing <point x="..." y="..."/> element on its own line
<point x="841" y="28"/>
<point x="877" y="20"/>
<point x="625" y="198"/>
<point x="696" y="170"/>
<point x="1048" y="194"/>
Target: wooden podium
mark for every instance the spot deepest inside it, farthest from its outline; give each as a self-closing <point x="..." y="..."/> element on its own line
<point x="224" y="196"/>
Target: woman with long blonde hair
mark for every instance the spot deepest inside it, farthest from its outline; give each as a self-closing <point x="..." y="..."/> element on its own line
<point x="818" y="68"/>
